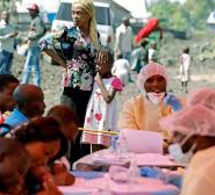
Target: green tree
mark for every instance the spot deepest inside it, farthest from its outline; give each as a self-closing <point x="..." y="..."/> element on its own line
<point x="193" y="13"/>
<point x="199" y="11"/>
<point x="171" y="15"/>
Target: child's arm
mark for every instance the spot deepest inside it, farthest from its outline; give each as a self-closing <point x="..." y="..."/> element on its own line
<point x="107" y="95"/>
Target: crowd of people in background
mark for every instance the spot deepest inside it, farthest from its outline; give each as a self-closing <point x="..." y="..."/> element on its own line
<point x="48" y="144"/>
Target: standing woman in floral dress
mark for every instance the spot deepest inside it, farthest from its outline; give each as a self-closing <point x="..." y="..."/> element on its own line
<point x="79" y="46"/>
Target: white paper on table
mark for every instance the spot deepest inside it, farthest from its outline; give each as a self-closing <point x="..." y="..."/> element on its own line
<point x="142" y="141"/>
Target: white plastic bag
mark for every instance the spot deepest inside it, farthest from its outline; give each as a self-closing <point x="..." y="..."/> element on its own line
<point x="22" y="49"/>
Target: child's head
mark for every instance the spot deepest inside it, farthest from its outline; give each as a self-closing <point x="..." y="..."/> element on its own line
<point x="153" y="45"/>
<point x="119" y="56"/>
<point x="106" y="66"/>
<point x="186" y="50"/>
<point x="43" y="140"/>
<point x="67" y="119"/>
<point x="144" y="43"/>
<point x="14" y="163"/>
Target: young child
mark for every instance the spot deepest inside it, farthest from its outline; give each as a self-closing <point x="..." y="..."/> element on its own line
<point x="184" y="68"/>
<point x="14" y="163"/>
<point x="153" y="53"/>
<point x="101" y="109"/>
<point x="121" y="69"/>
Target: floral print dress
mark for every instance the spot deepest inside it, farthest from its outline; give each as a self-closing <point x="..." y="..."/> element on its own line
<point x="100" y="115"/>
<point x="79" y="53"/>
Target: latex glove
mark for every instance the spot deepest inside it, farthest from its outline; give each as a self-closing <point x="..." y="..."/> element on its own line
<point x="150" y="172"/>
<point x="173" y="102"/>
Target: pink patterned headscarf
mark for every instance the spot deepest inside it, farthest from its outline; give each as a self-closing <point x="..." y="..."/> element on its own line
<point x="148" y="71"/>
<point x="197" y="120"/>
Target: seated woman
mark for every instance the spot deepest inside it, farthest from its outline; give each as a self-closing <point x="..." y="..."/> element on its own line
<point x="69" y="126"/>
<point x="144" y="111"/>
<point x="14" y="164"/>
<point x="194" y="145"/>
<point x="44" y="142"/>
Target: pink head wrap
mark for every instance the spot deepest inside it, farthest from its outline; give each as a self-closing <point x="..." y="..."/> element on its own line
<point x="197" y="120"/>
<point x="148" y="71"/>
<point x="205" y="96"/>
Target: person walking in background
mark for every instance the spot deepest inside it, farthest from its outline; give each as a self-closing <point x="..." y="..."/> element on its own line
<point x="7" y="43"/>
<point x="124" y="39"/>
<point x="36" y="31"/>
<point x="153" y="53"/>
<point x="184" y="68"/>
<point x="140" y="56"/>
<point x="121" y="69"/>
<point x="101" y="109"/>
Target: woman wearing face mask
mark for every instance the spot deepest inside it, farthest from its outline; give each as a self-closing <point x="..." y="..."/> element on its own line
<point x="144" y="111"/>
<point x="194" y="145"/>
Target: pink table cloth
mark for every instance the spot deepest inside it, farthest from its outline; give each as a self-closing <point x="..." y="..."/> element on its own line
<point x="141" y="186"/>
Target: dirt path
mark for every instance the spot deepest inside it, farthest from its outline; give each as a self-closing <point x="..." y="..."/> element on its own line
<point x="202" y="76"/>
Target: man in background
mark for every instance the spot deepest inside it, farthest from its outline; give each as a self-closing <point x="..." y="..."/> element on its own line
<point x="36" y="31"/>
<point x="7" y="43"/>
<point x="29" y="103"/>
<point x="124" y="39"/>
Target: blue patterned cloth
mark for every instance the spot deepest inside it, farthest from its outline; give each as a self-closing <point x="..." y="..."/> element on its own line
<point x="157" y="173"/>
<point x="173" y="101"/>
<point x="14" y="119"/>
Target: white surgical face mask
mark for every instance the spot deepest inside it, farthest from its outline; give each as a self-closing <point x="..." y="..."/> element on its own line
<point x="155" y="98"/>
<point x="175" y="151"/>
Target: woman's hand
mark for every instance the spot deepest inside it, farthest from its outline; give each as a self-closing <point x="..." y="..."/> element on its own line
<point x="61" y="175"/>
<point x="50" y="187"/>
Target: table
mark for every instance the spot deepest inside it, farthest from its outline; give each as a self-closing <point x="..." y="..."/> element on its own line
<point x="103" y="159"/>
<point x="89" y="183"/>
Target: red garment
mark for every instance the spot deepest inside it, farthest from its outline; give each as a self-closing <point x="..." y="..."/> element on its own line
<point x="1" y="119"/>
<point x="147" y="29"/>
